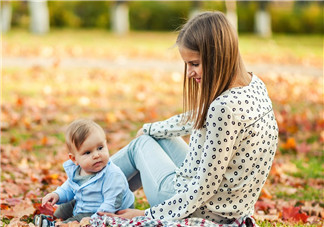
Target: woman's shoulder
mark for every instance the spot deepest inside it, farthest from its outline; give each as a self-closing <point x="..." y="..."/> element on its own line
<point x="246" y="103"/>
<point x="233" y="96"/>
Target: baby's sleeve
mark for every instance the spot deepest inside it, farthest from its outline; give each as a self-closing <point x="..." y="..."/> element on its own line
<point x="64" y="192"/>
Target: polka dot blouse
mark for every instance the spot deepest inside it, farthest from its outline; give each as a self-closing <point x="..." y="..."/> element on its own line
<point x="228" y="161"/>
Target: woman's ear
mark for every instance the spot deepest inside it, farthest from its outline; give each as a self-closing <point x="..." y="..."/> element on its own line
<point x="72" y="157"/>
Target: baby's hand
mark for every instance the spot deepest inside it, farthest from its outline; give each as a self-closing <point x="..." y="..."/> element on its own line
<point x="50" y="198"/>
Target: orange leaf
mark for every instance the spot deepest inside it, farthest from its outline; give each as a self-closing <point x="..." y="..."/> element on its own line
<point x="290" y="144"/>
<point x="294" y="214"/>
<point x="51" y="179"/>
<point x="111" y="118"/>
<point x="265" y="194"/>
<point x="19" y="101"/>
<point x="25" y="207"/>
<point x="44" y="141"/>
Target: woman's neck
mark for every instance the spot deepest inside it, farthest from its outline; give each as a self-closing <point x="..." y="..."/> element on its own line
<point x="242" y="80"/>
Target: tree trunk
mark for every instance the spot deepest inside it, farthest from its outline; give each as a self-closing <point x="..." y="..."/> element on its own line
<point x="262" y="21"/>
<point x="39" y="16"/>
<point x="196" y="9"/>
<point x="120" y="20"/>
<point x="5" y="18"/>
<point x="231" y="13"/>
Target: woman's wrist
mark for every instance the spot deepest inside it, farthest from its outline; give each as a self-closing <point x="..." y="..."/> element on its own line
<point x="147" y="128"/>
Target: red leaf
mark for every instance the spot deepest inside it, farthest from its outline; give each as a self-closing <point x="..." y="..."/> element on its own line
<point x="264" y="205"/>
<point x="303" y="148"/>
<point x="294" y="214"/>
<point x="46" y="209"/>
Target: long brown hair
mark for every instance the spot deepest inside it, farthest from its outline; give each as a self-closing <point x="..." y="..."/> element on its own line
<point x="212" y="35"/>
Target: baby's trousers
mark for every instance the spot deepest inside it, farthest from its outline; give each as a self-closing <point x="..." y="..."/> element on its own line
<point x="65" y="212"/>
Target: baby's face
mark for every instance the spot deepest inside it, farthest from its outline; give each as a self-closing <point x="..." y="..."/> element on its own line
<point x="93" y="155"/>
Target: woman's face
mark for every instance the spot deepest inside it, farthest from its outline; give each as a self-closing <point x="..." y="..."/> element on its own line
<point x="193" y="62"/>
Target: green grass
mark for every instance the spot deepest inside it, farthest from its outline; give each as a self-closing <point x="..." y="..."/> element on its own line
<point x="15" y="136"/>
<point x="157" y="43"/>
<point x="60" y="137"/>
<point x="271" y="224"/>
<point x="283" y="45"/>
<point x="139" y="204"/>
<point x="306" y="193"/>
<point x="311" y="168"/>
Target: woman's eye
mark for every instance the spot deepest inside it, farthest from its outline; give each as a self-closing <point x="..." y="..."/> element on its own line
<point x="195" y="65"/>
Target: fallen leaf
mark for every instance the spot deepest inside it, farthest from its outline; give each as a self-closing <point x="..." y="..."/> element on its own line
<point x="303" y="148"/>
<point x="264" y="205"/>
<point x="265" y="194"/>
<point x="25" y="207"/>
<point x="289" y="144"/>
<point x="294" y="214"/>
<point x="47" y="209"/>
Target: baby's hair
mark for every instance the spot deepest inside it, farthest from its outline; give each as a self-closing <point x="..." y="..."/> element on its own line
<point x="78" y="131"/>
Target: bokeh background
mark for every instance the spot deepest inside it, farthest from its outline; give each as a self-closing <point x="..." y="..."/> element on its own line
<point x="115" y="62"/>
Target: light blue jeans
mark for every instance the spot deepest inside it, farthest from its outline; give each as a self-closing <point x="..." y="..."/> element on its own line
<point x="151" y="163"/>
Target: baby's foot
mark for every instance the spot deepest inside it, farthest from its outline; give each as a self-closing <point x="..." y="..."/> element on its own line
<point x="44" y="220"/>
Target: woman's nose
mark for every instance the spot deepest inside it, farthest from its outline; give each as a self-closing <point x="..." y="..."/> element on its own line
<point x="190" y="72"/>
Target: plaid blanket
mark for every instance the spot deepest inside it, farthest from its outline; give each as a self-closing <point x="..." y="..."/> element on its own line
<point x="105" y="221"/>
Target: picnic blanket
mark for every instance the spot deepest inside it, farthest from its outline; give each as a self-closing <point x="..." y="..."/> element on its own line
<point x="105" y="221"/>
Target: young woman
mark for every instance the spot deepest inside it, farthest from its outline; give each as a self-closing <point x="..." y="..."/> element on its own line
<point x="234" y="135"/>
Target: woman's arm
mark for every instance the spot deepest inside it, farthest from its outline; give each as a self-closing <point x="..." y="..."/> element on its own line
<point x="172" y="127"/>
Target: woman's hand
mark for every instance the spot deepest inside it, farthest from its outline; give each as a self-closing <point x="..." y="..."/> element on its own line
<point x="139" y="132"/>
<point x="127" y="213"/>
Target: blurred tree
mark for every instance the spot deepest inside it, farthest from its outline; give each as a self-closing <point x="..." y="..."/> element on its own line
<point x="231" y="13"/>
<point x="5" y="16"/>
<point x="286" y="16"/>
<point x="39" y="23"/>
<point x="120" y="18"/>
<point x="196" y="8"/>
<point x="158" y="15"/>
<point x="262" y="20"/>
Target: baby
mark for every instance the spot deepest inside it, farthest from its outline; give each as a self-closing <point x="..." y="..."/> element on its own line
<point x="94" y="183"/>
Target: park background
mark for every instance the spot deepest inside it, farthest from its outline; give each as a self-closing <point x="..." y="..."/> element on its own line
<point x="115" y="62"/>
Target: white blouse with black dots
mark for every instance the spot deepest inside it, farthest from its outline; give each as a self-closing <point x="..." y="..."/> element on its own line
<point x="228" y="161"/>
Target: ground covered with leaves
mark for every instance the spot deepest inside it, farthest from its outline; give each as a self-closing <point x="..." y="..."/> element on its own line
<point x="49" y="81"/>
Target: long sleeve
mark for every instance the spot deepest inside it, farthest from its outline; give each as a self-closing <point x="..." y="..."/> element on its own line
<point x="172" y="127"/>
<point x="222" y="133"/>
<point x="65" y="192"/>
<point x="113" y="191"/>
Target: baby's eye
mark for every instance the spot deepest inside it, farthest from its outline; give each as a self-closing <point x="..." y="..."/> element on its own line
<point x="87" y="152"/>
<point x="100" y="148"/>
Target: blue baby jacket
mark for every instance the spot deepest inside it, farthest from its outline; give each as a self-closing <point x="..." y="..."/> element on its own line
<point x="106" y="191"/>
